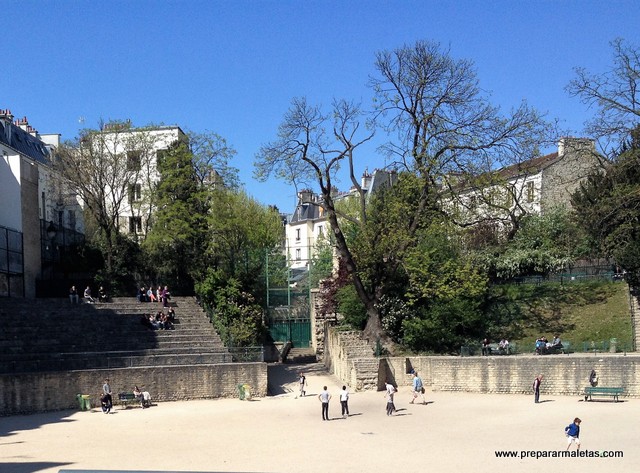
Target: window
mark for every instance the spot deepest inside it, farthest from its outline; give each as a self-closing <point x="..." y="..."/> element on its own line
<point x="298" y="254"/>
<point x="320" y="230"/>
<point x="530" y="191"/>
<point x="135" y="193"/>
<point x="71" y="218"/>
<point x="509" y="201"/>
<point x="298" y="234"/>
<point x="133" y="160"/>
<point x="135" y="224"/>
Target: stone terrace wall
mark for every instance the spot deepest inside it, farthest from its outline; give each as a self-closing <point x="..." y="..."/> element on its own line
<point x="563" y="374"/>
<point x="48" y="391"/>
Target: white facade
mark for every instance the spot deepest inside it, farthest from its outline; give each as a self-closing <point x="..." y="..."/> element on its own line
<point x="531" y="187"/>
<point x="141" y="148"/>
<point x="30" y="191"/>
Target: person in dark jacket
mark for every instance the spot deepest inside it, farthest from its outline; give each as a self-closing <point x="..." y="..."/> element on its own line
<point x="536" y="388"/>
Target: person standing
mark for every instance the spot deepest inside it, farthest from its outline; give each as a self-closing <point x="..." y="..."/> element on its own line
<point x="390" y="391"/>
<point x="303" y="383"/>
<point x="165" y="297"/>
<point x="344" y="402"/>
<point x="324" y="398"/>
<point x="572" y="432"/>
<point x="418" y="388"/>
<point x="106" y="400"/>
<point x="536" y="388"/>
<point x="593" y="378"/>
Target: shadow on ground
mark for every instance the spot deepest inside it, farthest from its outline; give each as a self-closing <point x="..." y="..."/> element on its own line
<point x="283" y="378"/>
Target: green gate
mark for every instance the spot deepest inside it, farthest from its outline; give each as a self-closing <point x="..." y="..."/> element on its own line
<point x="298" y="331"/>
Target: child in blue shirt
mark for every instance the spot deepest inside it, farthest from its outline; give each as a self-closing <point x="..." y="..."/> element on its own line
<point x="573" y="433"/>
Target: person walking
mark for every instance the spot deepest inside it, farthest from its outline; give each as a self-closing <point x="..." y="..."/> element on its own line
<point x="303" y="383"/>
<point x="536" y="388"/>
<point x="344" y="402"/>
<point x="324" y="398"/>
<point x="390" y="391"/>
<point x="572" y="432"/>
<point x="418" y="388"/>
<point x="106" y="400"/>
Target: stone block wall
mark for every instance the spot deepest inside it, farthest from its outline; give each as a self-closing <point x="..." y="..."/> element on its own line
<point x="41" y="392"/>
<point x="563" y="374"/>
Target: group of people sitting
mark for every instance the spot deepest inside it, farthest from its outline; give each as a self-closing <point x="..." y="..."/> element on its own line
<point x="544" y="346"/>
<point x="87" y="296"/>
<point x="160" y="320"/>
<point x="159" y="295"/>
<point x="143" y="396"/>
<point x="503" y="347"/>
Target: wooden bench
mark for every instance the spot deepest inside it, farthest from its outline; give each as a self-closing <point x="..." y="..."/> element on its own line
<point x="126" y="398"/>
<point x="590" y="391"/>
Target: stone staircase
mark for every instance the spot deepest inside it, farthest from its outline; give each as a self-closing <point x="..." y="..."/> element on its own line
<point x="365" y="366"/>
<point x="54" y="335"/>
<point x="301" y="355"/>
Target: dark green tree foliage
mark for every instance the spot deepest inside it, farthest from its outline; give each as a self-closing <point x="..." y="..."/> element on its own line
<point x="235" y="314"/>
<point x="242" y="233"/>
<point x="178" y="234"/>
<point x="446" y="293"/>
<point x="607" y="207"/>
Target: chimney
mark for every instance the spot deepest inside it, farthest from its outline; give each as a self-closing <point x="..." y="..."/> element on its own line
<point x="305" y="196"/>
<point x="7" y="120"/>
<point x="23" y="123"/>
<point x="570" y="144"/>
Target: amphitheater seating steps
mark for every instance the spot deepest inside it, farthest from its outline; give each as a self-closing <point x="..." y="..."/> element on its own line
<point x="53" y="334"/>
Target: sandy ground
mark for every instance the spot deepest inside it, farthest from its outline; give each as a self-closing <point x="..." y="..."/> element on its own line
<point x="454" y="432"/>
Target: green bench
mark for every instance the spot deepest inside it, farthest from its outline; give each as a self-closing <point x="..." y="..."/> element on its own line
<point x="494" y="349"/>
<point x="590" y="391"/>
<point x="126" y="398"/>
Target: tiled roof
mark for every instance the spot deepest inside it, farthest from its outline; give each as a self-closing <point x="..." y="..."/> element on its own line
<point x="531" y="166"/>
<point x="24" y="143"/>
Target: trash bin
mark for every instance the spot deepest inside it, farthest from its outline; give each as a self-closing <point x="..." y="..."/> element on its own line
<point x="241" y="391"/>
<point x="84" y="401"/>
<point x="613" y="345"/>
<point x="247" y="392"/>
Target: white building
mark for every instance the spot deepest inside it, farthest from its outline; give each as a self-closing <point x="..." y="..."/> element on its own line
<point x="534" y="186"/>
<point x="136" y="150"/>
<point x="309" y="224"/>
<point x="33" y="199"/>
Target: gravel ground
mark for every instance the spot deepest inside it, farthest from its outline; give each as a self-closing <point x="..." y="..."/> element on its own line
<point x="454" y="432"/>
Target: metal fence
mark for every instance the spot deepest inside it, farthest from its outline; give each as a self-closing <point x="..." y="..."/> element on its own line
<point x="11" y="263"/>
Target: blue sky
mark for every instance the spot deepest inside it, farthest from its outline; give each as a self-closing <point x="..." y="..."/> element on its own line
<point x="232" y="67"/>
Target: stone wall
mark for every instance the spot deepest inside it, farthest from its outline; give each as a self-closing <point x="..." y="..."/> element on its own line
<point x="562" y="178"/>
<point x="40" y="392"/>
<point x="563" y="374"/>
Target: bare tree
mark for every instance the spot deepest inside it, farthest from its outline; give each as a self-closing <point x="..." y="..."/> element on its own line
<point x="311" y="147"/>
<point x="440" y="124"/>
<point x="448" y="133"/>
<point x="615" y="96"/>
<point x="111" y="169"/>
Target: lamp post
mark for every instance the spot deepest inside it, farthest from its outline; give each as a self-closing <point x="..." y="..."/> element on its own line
<point x="52" y="232"/>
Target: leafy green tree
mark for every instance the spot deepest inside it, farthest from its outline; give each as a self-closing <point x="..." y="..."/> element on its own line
<point x="177" y="238"/>
<point x="608" y="209"/>
<point x="544" y="244"/>
<point x="235" y="314"/>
